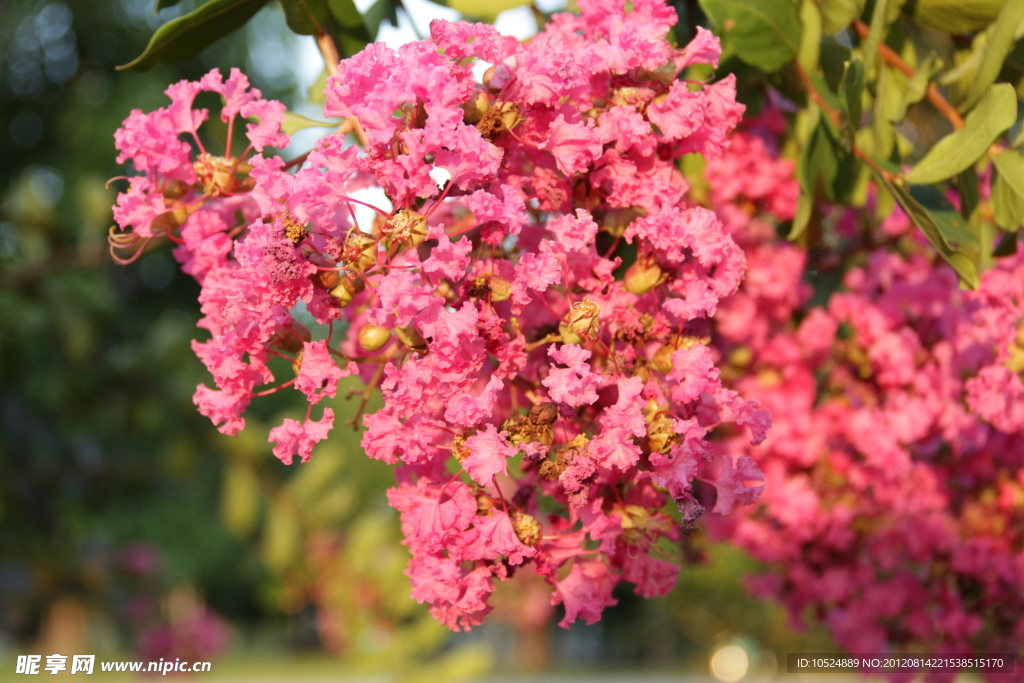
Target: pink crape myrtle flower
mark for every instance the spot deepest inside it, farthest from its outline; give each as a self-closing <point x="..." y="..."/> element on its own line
<point x="895" y="465"/>
<point x="545" y="391"/>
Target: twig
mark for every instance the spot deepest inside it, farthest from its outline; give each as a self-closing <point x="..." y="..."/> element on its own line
<point x="329" y="51"/>
<point x="837" y="120"/>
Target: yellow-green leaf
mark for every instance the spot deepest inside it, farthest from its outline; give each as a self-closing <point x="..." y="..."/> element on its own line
<point x="810" y="40"/>
<point x="942" y="224"/>
<point x="763" y="33"/>
<point x="294" y="122"/>
<point x="999" y="44"/>
<point x="995" y="113"/>
<point x="1008" y="190"/>
<point x="487" y="10"/>
<point x="838" y="14"/>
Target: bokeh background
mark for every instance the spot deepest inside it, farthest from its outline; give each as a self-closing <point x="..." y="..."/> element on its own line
<point x="131" y="529"/>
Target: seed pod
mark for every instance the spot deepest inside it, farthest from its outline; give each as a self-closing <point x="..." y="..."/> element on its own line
<point x="323" y="279"/>
<point x="475" y="107"/>
<point x="411" y="338"/>
<point x="643" y="276"/>
<point x="291" y="337"/>
<point x="543" y="413"/>
<point x="581" y="322"/>
<point x="662" y="361"/>
<point x="347" y="289"/>
<point x="374" y="338"/>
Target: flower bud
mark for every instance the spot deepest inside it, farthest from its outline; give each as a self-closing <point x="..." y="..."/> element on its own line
<point x="662" y="361"/>
<point x="581" y="322"/>
<point x="661" y="436"/>
<point x="291" y="337"/>
<point x="411" y="338"/>
<point x="475" y="107"/>
<point x="374" y="338"/>
<point x="643" y="276"/>
<point x="346" y="290"/>
<point x="323" y="279"/>
<point x="491" y="287"/>
<point x="173" y="188"/>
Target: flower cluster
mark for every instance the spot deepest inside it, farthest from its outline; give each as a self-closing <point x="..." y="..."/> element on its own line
<point x="545" y="402"/>
<point x="894" y="504"/>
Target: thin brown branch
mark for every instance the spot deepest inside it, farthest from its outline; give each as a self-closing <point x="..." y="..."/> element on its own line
<point x="329" y="52"/>
<point x="836" y="119"/>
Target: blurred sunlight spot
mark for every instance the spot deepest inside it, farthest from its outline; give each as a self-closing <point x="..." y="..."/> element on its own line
<point x="45" y="184"/>
<point x="729" y="664"/>
<point x="156" y="270"/>
<point x="8" y="239"/>
<point x="518" y="22"/>
<point x="440" y="175"/>
<point x="364" y="214"/>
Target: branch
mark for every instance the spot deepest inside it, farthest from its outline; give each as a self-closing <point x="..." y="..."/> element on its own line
<point x="329" y="51"/>
<point x="934" y="96"/>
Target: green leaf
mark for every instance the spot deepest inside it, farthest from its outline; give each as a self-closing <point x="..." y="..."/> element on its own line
<point x="810" y="38"/>
<point x="878" y="26"/>
<point x="967" y="187"/>
<point x="190" y="34"/>
<point x="851" y="91"/>
<point x="995" y="113"/>
<point x="804" y="209"/>
<point x="378" y="12"/>
<point x="826" y="169"/>
<point x="306" y="17"/>
<point x="956" y="16"/>
<point x="487" y="10"/>
<point x="941" y="223"/>
<point x="352" y="34"/>
<point x="917" y="85"/>
<point x="838" y="14"/>
<point x="294" y="122"/>
<point x="1000" y="43"/>
<point x="763" y="33"/>
<point x="240" y="499"/>
<point x="164" y="4"/>
<point x="888" y="95"/>
<point x="986" y="232"/>
<point x="1008" y="190"/>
